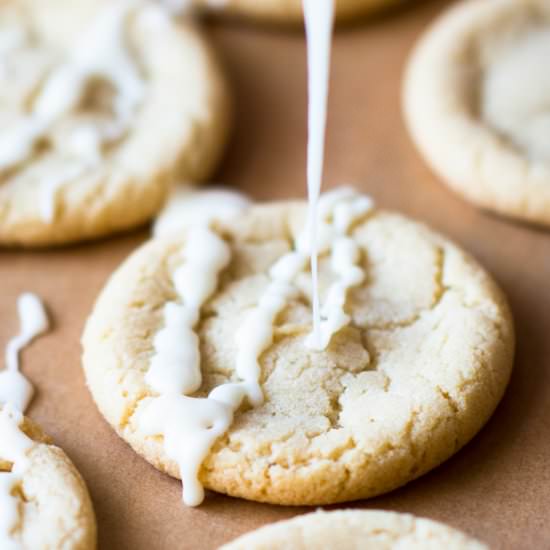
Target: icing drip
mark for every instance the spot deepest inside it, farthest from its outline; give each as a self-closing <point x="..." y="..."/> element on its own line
<point x="255" y="334"/>
<point x="100" y="53"/>
<point x="14" y="446"/>
<point x="11" y="39"/>
<point x="14" y="387"/>
<point x="52" y="184"/>
<point x="189" y="425"/>
<point x="187" y="207"/>
<point x="319" y="20"/>
<point x="175" y="368"/>
<point x="15" y="394"/>
<point x="338" y="210"/>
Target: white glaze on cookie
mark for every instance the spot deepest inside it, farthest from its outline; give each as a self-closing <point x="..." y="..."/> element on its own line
<point x="319" y="20"/>
<point x="15" y="394"/>
<point x="101" y="53"/>
<point x="336" y="213"/>
<point x="14" y="387"/>
<point x="187" y="207"/>
<point x="191" y="425"/>
<point x="175" y="367"/>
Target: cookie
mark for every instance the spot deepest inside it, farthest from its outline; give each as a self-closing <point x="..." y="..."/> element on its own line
<point x="102" y="104"/>
<point x="355" y="530"/>
<point x="476" y="104"/>
<point x="290" y="11"/>
<point x="197" y="353"/>
<point x="44" y="501"/>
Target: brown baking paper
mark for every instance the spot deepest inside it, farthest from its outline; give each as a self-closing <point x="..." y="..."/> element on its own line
<point x="497" y="488"/>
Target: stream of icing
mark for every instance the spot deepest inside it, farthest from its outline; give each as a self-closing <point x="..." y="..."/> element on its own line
<point x="319" y="21"/>
<point x="99" y="54"/>
<point x="190" y="425"/>
<point x="15" y="394"/>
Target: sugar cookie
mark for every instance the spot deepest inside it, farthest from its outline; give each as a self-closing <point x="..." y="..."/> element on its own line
<point x="46" y="504"/>
<point x="102" y="103"/>
<point x="476" y="102"/>
<point x="352" y="529"/>
<point x="197" y="353"/>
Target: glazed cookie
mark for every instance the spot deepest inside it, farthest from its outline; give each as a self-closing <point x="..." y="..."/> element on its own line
<point x="199" y="353"/>
<point x="44" y="501"/>
<point x="102" y="103"/>
<point x="375" y="530"/>
<point x="476" y="102"/>
<point x="288" y="11"/>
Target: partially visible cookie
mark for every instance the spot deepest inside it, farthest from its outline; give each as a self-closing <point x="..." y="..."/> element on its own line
<point x="476" y="103"/>
<point x="416" y="372"/>
<point x="355" y="530"/>
<point x="54" y="510"/>
<point x="102" y="104"/>
<point x="290" y="11"/>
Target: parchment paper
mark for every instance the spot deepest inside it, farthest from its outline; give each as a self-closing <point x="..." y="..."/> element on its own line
<point x="497" y="488"/>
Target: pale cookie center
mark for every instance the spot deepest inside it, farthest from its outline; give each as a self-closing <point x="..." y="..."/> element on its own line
<point x="516" y="93"/>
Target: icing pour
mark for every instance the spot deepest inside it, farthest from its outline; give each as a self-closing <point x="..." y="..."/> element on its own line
<point x="319" y="21"/>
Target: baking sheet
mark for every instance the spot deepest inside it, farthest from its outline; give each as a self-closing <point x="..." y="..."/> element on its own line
<point x="497" y="488"/>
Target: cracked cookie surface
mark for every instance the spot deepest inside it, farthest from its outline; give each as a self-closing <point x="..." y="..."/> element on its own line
<point x="415" y="375"/>
<point x="55" y="511"/>
<point x="375" y="530"/>
<point x="66" y="188"/>
<point x="476" y="103"/>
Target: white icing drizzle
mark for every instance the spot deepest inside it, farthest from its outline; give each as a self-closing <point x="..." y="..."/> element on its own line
<point x="52" y="184"/>
<point x="14" y="387"/>
<point x="187" y="207"/>
<point x="100" y="52"/>
<point x="189" y="425"/>
<point x="255" y="334"/>
<point x="338" y="210"/>
<point x="319" y="20"/>
<point x="175" y="368"/>
<point x="15" y="394"/>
